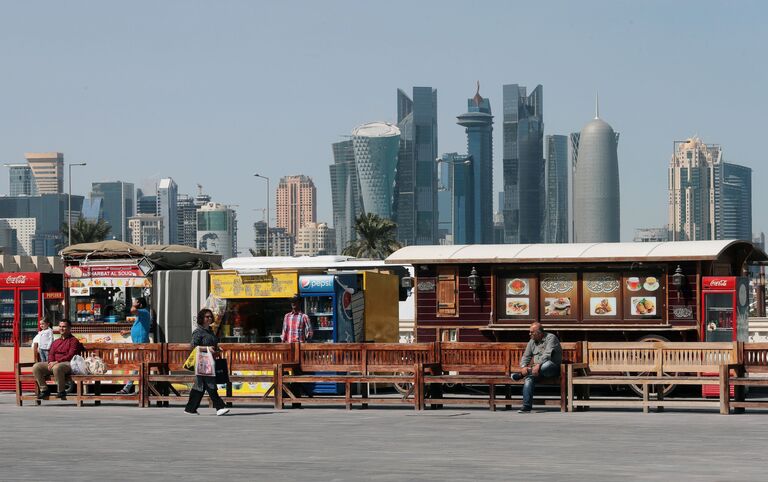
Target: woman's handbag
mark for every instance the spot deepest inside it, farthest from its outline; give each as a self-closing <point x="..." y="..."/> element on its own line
<point x="189" y="364"/>
<point x="222" y="371"/>
<point x="204" y="366"/>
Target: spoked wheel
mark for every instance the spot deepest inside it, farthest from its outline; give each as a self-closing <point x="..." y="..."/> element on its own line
<point x="667" y="389"/>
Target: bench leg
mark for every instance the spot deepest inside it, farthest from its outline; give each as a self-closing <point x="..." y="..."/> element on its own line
<point x="492" y="397"/>
<point x="725" y="390"/>
<point x="508" y="397"/>
<point x="659" y="397"/>
<point x="278" y="384"/>
<point x="569" y="404"/>
<point x="347" y="395"/>
<point x="79" y="393"/>
<point x="645" y="398"/>
<point x="364" y="394"/>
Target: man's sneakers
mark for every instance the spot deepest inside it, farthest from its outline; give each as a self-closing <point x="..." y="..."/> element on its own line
<point x="62" y="395"/>
<point x="517" y="377"/>
<point x="524" y="410"/>
<point x="222" y="411"/>
<point x="192" y="413"/>
<point x="44" y="394"/>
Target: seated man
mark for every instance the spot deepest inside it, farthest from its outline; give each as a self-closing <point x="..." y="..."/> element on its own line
<point x="59" y="356"/>
<point x="544" y="351"/>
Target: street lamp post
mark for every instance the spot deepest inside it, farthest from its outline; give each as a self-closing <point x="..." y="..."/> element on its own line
<point x="69" y="203"/>
<point x="267" y="238"/>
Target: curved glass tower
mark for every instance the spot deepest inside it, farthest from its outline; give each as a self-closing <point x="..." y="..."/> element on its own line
<point x="375" y="147"/>
<point x="596" y="184"/>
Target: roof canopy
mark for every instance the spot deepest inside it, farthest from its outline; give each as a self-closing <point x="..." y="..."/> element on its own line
<point x="570" y="253"/>
<point x="171" y="256"/>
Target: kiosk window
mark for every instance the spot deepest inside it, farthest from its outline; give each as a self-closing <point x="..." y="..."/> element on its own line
<point x="447" y="291"/>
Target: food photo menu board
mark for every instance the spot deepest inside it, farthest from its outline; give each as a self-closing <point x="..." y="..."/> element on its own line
<point x="518" y="300"/>
<point x="559" y="296"/>
<point x="601" y="295"/>
<point x="643" y="295"/>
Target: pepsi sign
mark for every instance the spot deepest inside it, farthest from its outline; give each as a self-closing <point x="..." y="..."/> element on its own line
<point x="314" y="284"/>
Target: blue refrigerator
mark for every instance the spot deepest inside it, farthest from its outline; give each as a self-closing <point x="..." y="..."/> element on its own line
<point x="328" y="303"/>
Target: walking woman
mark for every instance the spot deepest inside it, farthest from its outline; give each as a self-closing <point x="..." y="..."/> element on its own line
<point x="203" y="336"/>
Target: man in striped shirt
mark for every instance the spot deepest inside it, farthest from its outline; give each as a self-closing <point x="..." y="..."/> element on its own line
<point x="296" y="325"/>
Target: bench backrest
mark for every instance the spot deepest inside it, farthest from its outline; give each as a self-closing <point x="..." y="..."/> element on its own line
<point x="755" y="357"/>
<point x="396" y="357"/>
<point x="659" y="357"/>
<point x="258" y="356"/>
<point x="329" y="357"/>
<point x="493" y="358"/>
<point x="124" y="356"/>
<point x="175" y="355"/>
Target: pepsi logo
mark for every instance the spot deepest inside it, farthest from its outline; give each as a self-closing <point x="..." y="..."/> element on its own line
<point x="305" y="283"/>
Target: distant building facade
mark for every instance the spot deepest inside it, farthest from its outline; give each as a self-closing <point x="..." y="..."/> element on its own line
<point x="21" y="180"/>
<point x="217" y="230"/>
<point x="415" y="202"/>
<point x="49" y="212"/>
<point x="146" y="229"/>
<point x="146" y="203"/>
<point x="187" y="220"/>
<point x="478" y="123"/>
<point x="48" y="171"/>
<point x="280" y="242"/>
<point x="315" y="239"/>
<point x="557" y="195"/>
<point x="376" y="146"/>
<point x="296" y="203"/>
<point x="596" y="203"/>
<point x="167" y="194"/>
<point x="22" y="231"/>
<point x="346" y="197"/>
<point x="524" y="190"/>
<point x="651" y="235"/>
<point x="736" y="197"/>
<point x="462" y="198"/>
<point x="117" y="205"/>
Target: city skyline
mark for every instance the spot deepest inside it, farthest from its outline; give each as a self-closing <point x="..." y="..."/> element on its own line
<point x="184" y="113"/>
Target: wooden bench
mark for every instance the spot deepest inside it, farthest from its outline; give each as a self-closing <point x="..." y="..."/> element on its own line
<point x="116" y="356"/>
<point x="752" y="371"/>
<point x="131" y="359"/>
<point x="359" y="363"/>
<point x="269" y="358"/>
<point x="490" y="364"/>
<point x="655" y="364"/>
<point x="159" y="380"/>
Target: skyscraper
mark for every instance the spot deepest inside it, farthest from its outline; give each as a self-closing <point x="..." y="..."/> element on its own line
<point x="145" y="204"/>
<point x="48" y="211"/>
<point x="596" y="184"/>
<point x="376" y="146"/>
<point x="462" y="197"/>
<point x="117" y="205"/>
<point x="187" y="220"/>
<point x="217" y="230"/>
<point x="556" y="206"/>
<point x="694" y="190"/>
<point x="315" y="239"/>
<point x="523" y="165"/>
<point x="146" y="229"/>
<point x="48" y="170"/>
<point x="736" y="197"/>
<point x="22" y="180"/>
<point x="415" y="200"/>
<point x="296" y="203"/>
<point x="167" y="194"/>
<point x="345" y="193"/>
<point x="478" y="122"/>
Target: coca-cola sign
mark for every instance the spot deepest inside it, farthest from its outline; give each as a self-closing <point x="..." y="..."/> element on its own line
<point x="18" y="279"/>
<point x="719" y="282"/>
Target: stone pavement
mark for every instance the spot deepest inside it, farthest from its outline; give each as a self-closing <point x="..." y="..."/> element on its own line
<point x="112" y="442"/>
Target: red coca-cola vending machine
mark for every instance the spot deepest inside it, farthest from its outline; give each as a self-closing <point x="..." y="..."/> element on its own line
<point x="725" y="308"/>
<point x="24" y="298"/>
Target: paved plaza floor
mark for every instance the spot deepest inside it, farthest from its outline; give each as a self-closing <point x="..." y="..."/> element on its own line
<point x="61" y="442"/>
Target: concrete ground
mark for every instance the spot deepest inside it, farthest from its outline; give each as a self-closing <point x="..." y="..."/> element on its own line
<point x="58" y="441"/>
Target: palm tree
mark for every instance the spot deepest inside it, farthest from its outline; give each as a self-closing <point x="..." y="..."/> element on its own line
<point x="375" y="238"/>
<point x="84" y="231"/>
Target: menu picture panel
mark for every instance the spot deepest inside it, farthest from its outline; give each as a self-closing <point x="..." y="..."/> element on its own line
<point x="602" y="293"/>
<point x="558" y="293"/>
<point x="643" y="295"/>
<point x="517" y="297"/>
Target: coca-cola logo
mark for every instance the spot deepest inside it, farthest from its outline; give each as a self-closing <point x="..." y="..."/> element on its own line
<point x="16" y="280"/>
<point x="718" y="283"/>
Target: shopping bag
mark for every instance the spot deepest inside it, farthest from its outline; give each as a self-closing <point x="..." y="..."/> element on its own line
<point x="95" y="366"/>
<point x="78" y="365"/>
<point x="189" y="364"/>
<point x="204" y="366"/>
<point x="222" y="371"/>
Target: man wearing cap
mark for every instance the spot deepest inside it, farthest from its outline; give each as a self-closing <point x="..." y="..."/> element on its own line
<point x="296" y="325"/>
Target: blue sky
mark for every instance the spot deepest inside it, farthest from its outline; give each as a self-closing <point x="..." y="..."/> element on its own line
<point x="211" y="92"/>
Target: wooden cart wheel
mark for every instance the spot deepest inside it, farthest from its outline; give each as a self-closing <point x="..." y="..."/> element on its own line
<point x="638" y="389"/>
